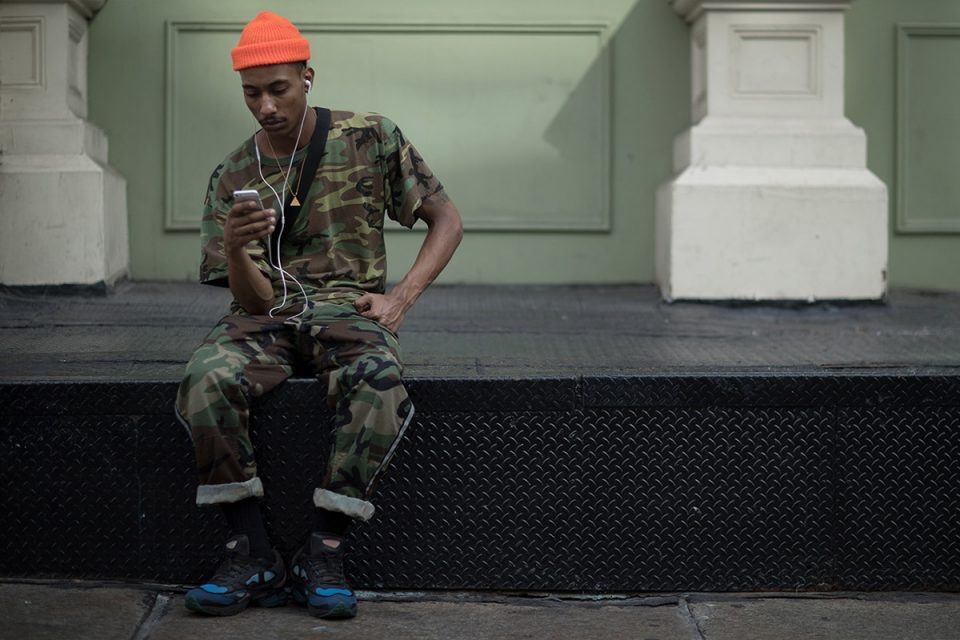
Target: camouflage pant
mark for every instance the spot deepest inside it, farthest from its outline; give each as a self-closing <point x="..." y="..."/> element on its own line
<point x="247" y="356"/>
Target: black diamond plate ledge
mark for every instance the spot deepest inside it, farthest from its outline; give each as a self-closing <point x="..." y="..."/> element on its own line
<point x="640" y="483"/>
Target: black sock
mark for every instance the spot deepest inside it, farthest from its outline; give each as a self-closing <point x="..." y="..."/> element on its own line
<point x="333" y="522"/>
<point x="245" y="518"/>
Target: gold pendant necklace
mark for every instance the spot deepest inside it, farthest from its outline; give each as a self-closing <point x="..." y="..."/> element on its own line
<point x="296" y="201"/>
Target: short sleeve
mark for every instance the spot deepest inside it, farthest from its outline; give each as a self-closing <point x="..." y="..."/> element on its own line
<point x="408" y="178"/>
<point x="213" y="258"/>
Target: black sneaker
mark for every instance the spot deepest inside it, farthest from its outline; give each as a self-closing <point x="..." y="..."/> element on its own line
<point x="239" y="582"/>
<point x="316" y="578"/>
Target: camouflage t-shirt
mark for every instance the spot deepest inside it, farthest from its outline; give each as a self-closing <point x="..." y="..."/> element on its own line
<point x="336" y="246"/>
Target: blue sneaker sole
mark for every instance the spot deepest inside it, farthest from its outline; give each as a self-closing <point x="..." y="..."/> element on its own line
<point x="269" y="600"/>
<point x="211" y="609"/>
<point x="339" y="610"/>
<point x="327" y="608"/>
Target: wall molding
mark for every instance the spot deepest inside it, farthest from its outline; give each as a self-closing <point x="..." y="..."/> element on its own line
<point x="906" y="221"/>
<point x="33" y="28"/>
<point x="173" y="222"/>
<point x="598" y="221"/>
<point x="811" y="36"/>
<point x="77" y="65"/>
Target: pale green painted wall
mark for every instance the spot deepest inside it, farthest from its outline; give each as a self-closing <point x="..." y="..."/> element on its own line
<point x="924" y="261"/>
<point x="649" y="103"/>
<point x="649" y="94"/>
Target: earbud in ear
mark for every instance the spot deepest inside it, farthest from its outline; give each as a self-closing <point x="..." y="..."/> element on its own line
<point x="307" y="84"/>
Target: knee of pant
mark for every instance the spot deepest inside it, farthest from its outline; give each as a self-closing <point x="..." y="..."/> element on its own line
<point x="376" y="371"/>
<point x="206" y="379"/>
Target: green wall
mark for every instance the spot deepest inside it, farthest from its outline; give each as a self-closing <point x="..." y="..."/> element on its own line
<point x="645" y="46"/>
<point x="644" y="43"/>
<point x="929" y="260"/>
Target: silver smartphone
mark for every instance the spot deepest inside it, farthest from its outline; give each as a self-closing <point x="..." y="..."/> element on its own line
<point x="241" y="195"/>
<point x="247" y="194"/>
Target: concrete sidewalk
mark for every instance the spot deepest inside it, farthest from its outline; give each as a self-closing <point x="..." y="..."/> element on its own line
<point x="79" y="610"/>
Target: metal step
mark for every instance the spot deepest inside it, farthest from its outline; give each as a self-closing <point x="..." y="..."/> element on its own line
<point x="700" y="482"/>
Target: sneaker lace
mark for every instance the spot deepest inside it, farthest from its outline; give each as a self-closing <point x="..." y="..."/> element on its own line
<point x="234" y="569"/>
<point x="325" y="569"/>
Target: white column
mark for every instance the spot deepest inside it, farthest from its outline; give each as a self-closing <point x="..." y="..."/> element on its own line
<point x="63" y="209"/>
<point x="771" y="199"/>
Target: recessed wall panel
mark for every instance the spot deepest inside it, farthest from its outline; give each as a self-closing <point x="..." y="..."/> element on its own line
<point x="21" y="52"/>
<point x="928" y="104"/>
<point x="771" y="62"/>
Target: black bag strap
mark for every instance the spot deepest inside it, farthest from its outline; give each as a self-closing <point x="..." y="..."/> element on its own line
<point x="318" y="142"/>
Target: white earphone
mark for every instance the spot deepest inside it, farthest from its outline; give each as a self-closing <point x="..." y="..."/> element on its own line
<point x="275" y="261"/>
<point x="307" y="84"/>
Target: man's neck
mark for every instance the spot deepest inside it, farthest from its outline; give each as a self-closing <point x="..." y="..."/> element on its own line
<point x="283" y="146"/>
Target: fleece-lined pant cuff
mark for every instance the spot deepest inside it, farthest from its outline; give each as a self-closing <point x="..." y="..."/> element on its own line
<point x="353" y="507"/>
<point x="229" y="492"/>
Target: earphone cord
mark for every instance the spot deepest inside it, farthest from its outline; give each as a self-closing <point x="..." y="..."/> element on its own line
<point x="275" y="261"/>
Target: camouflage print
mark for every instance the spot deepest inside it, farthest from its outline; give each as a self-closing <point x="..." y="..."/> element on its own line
<point x="246" y="356"/>
<point x="335" y="248"/>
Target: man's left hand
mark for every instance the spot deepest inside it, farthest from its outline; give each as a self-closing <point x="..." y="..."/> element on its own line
<point x="444" y="231"/>
<point x="382" y="308"/>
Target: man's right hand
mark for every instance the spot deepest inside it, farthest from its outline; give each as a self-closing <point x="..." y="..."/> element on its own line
<point x="246" y="222"/>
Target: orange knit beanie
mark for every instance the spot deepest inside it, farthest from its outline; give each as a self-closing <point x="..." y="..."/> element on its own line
<point x="269" y="39"/>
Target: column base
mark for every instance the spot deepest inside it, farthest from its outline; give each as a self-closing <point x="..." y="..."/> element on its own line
<point x="64" y="223"/>
<point x="833" y="143"/>
<point x="746" y="233"/>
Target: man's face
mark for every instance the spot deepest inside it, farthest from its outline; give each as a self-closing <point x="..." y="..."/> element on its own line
<point x="275" y="96"/>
